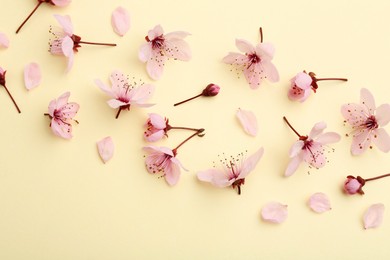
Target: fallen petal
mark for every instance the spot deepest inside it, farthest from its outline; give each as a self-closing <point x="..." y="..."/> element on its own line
<point x="120" y="21"/>
<point x="4" y="42"/>
<point x="374" y="215"/>
<point x="32" y="75"/>
<point x="319" y="202"/>
<point x="274" y="212"/>
<point x="106" y="148"/>
<point x="248" y="121"/>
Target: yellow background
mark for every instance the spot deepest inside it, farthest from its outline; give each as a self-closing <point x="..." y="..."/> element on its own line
<point x="59" y="201"/>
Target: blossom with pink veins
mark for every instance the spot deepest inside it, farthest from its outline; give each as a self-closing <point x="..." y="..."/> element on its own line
<point x="233" y="172"/>
<point x="255" y="63"/>
<point x="160" y="47"/>
<point x="60" y="3"/>
<point x="367" y="122"/>
<point x="310" y="148"/>
<point x="124" y="93"/>
<point x="61" y="114"/>
<point x="65" y="42"/>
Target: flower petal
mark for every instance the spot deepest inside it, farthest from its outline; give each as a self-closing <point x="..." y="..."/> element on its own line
<point x="270" y="71"/>
<point x="296" y="148"/>
<point x="32" y="75"/>
<point x="248" y="121"/>
<point x="216" y="177"/>
<point x="383" y="114"/>
<point x="104" y="88"/>
<point x="354" y="114"/>
<point x="274" y="212"/>
<point x="115" y="103"/>
<point x="303" y="80"/>
<point x="155" y="64"/>
<point x="65" y="23"/>
<point x="67" y="48"/>
<point x="235" y="58"/>
<point x="157" y="121"/>
<point x="367" y="99"/>
<point x="373" y="216"/>
<point x="319" y="202"/>
<point x="61" y="129"/>
<point x="177" y="49"/>
<point x="361" y="140"/>
<point x="145" y="52"/>
<point x="293" y="165"/>
<point x="250" y="163"/>
<point x="106" y="148"/>
<point x="245" y="46"/>
<point x="120" y="21"/>
<point x="381" y="139"/>
<point x="4" y="41"/>
<point x="172" y="172"/>
<point x="155" y="32"/>
<point x="317" y="129"/>
<point x="328" y="138"/>
<point x="138" y="96"/>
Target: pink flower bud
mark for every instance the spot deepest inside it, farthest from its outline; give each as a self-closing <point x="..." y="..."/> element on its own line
<point x="211" y="90"/>
<point x="354" y="185"/>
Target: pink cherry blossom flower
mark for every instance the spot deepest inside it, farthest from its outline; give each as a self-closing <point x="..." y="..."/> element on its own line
<point x="210" y="91"/>
<point x="310" y="148"/>
<point x="353" y="185"/>
<point x="160" y="47"/>
<point x="274" y="212"/>
<point x="163" y="160"/>
<point x="319" y="202"/>
<point x="65" y="42"/>
<point x="367" y="123"/>
<point x="303" y="83"/>
<point x="157" y="127"/>
<point x="125" y="94"/>
<point x="60" y="3"/>
<point x="255" y="63"/>
<point x="32" y="75"/>
<point x="61" y="114"/>
<point x="3" y="83"/>
<point x="233" y="172"/>
<point x="4" y="41"/>
<point x="373" y="216"/>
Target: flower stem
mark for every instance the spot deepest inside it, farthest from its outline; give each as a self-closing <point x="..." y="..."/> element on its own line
<point x="188" y="99"/>
<point x="292" y="128"/>
<point x="261" y="35"/>
<point x="119" y="111"/>
<point x="13" y="100"/>
<point x="182" y="128"/>
<point x="28" y="17"/>
<point x="378" y="177"/>
<point x="97" y="43"/>
<point x="195" y="134"/>
<point x="342" y="79"/>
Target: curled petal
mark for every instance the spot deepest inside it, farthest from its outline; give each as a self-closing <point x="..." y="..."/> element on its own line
<point x="216" y="177"/>
<point x="248" y="121"/>
<point x="120" y="21"/>
<point x="319" y="202"/>
<point x="4" y="42"/>
<point x="274" y="212"/>
<point x="373" y="216"/>
<point x="155" y="32"/>
<point x="32" y="75"/>
<point x="106" y="148"/>
<point x="67" y="49"/>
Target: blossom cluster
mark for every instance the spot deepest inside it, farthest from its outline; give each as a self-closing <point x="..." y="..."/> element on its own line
<point x="255" y="62"/>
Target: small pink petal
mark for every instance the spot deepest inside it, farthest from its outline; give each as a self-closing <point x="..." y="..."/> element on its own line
<point x="383" y="114"/>
<point x="32" y="75"/>
<point x="106" y="148"/>
<point x="65" y="23"/>
<point x="367" y="99"/>
<point x="381" y="139"/>
<point x="319" y="202"/>
<point x="293" y="165"/>
<point x="274" y="212"/>
<point x="216" y="177"/>
<point x="249" y="164"/>
<point x="373" y="216"/>
<point x="245" y="46"/>
<point x="4" y="42"/>
<point x="248" y="121"/>
<point x="120" y="21"/>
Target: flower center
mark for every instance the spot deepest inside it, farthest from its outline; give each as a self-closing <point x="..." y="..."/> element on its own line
<point x="157" y="42"/>
<point x="371" y="123"/>
<point x="253" y="58"/>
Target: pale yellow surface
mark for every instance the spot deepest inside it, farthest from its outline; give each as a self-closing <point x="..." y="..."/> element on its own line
<point x="59" y="201"/>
